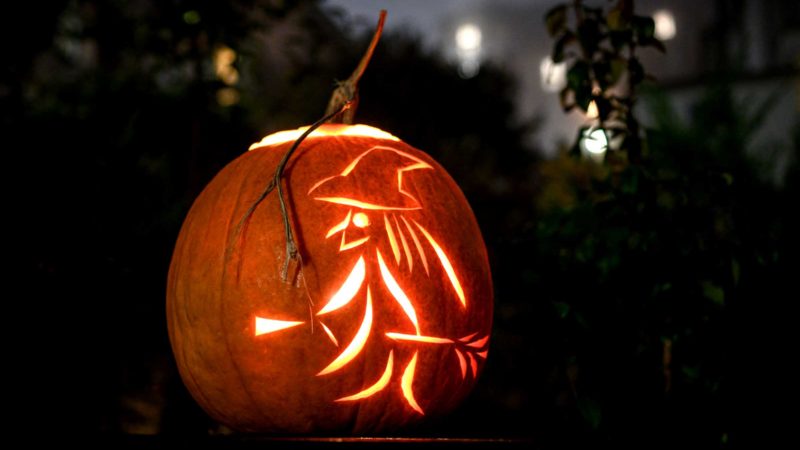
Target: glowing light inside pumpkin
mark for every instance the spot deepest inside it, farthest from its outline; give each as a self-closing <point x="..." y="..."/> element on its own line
<point x="463" y="363"/>
<point x="356" y="345"/>
<point x="361" y="220"/>
<point x="352" y="244"/>
<point x="330" y="334"/>
<point x="265" y="326"/>
<point x="468" y="337"/>
<point x="397" y="292"/>
<point x="339" y="226"/>
<point x="282" y="137"/>
<point x="418" y="338"/>
<point x="406" y="384"/>
<point x="348" y="290"/>
<point x="448" y="268"/>
<point x="479" y="343"/>
<point x="392" y="239"/>
<point x="418" y="245"/>
<point x="473" y="363"/>
<point x="364" y="205"/>
<point x="406" y="250"/>
<point x="418" y="164"/>
<point x="378" y="386"/>
<point x="399" y="238"/>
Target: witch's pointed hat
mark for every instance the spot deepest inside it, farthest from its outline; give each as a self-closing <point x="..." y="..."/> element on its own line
<point x="373" y="180"/>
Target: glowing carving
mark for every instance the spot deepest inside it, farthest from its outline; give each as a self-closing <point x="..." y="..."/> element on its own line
<point x="397" y="292"/>
<point x="392" y="239"/>
<point x="480" y="342"/>
<point x="448" y="268"/>
<point x="413" y="204"/>
<point x="399" y="237"/>
<point x="356" y="345"/>
<point x="473" y="364"/>
<point x="378" y="386"/>
<point x="468" y="337"/>
<point x="407" y="382"/>
<point x="361" y="220"/>
<point x="339" y="226"/>
<point x="463" y="363"/>
<point x="283" y="137"/>
<point x="418" y="338"/>
<point x="363" y="205"/>
<point x="406" y="250"/>
<point x="330" y="334"/>
<point x="348" y="290"/>
<point x="417" y="244"/>
<point x="353" y="244"/>
<point x="265" y="326"/>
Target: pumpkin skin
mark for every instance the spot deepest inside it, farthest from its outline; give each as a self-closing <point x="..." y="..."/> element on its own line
<point x="336" y="348"/>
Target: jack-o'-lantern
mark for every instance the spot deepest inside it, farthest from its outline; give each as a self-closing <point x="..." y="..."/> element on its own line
<point x="385" y="321"/>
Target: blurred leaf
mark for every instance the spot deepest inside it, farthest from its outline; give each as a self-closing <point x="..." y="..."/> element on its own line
<point x="644" y="28"/>
<point x="629" y="182"/>
<point x="578" y="75"/>
<point x="579" y="81"/>
<point x="593" y="13"/>
<point x="602" y="73"/>
<point x="653" y="42"/>
<point x="567" y="99"/>
<point x="635" y="71"/>
<point x="590" y="411"/>
<point x="620" y="38"/>
<point x="617" y="68"/>
<point x="589" y="35"/>
<point x="616" y="20"/>
<point x="560" y="45"/>
<point x="714" y="293"/>
<point x="626" y="8"/>
<point x="735" y="271"/>
<point x="583" y="96"/>
<point x="690" y="372"/>
<point x="562" y="309"/>
<point x="556" y="20"/>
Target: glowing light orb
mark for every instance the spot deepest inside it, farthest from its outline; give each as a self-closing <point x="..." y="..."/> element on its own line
<point x="665" y="25"/>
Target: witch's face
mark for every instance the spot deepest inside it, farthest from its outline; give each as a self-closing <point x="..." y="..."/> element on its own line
<point x="355" y="228"/>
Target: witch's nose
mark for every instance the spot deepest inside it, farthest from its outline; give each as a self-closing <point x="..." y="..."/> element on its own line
<point x="354" y="229"/>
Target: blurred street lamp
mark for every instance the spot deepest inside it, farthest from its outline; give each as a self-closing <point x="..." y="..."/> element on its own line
<point x="593" y="144"/>
<point x="665" y="25"/>
<point x="468" y="49"/>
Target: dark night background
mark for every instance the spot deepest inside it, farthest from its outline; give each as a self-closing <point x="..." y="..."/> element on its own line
<point x="653" y="310"/>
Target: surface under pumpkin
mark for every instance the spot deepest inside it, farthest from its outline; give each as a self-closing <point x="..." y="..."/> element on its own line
<point x="386" y="322"/>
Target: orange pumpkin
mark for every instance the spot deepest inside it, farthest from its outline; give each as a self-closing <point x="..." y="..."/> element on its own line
<point x="385" y="322"/>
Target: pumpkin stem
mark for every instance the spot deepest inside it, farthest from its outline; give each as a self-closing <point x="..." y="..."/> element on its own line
<point x="347" y="91"/>
<point x="341" y="106"/>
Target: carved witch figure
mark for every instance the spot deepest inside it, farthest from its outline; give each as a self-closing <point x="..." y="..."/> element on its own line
<point x="388" y="251"/>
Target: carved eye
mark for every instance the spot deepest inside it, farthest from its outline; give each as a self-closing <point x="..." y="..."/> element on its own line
<point x="361" y="220"/>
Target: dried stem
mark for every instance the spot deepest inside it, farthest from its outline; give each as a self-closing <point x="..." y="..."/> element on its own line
<point x="342" y="105"/>
<point x="347" y="91"/>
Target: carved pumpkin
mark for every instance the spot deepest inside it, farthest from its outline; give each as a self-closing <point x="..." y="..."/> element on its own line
<point x="387" y="320"/>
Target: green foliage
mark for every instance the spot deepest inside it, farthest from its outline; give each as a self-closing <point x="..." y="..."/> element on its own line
<point x="600" y="49"/>
<point x="650" y="267"/>
<point x="647" y="267"/>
